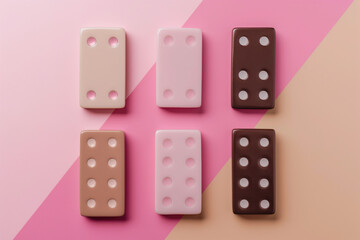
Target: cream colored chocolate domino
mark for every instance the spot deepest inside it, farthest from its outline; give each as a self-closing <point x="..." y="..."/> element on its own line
<point x="178" y="172"/>
<point x="102" y="173"/>
<point x="102" y="68"/>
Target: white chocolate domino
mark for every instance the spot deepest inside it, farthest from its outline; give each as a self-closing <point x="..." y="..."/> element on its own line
<point x="102" y="68"/>
<point x="178" y="172"/>
<point x="179" y="68"/>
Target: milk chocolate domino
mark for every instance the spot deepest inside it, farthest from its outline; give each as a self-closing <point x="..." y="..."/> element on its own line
<point x="253" y="68"/>
<point x="102" y="173"/>
<point x="253" y="171"/>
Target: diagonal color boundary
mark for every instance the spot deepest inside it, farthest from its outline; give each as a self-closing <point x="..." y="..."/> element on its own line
<point x="317" y="156"/>
<point x="58" y="217"/>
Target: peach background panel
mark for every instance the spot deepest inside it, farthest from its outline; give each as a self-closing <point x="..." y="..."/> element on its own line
<point x="317" y="129"/>
<point x="58" y="217"/>
<point x="39" y="77"/>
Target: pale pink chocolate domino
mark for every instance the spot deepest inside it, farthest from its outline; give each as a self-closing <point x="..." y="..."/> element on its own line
<point x="102" y="68"/>
<point x="178" y="172"/>
<point x="179" y="68"/>
<point x="102" y="173"/>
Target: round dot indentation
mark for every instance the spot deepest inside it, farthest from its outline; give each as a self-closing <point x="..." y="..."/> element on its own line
<point x="264" y="204"/>
<point x="91" y="162"/>
<point x="167" y="181"/>
<point x="264" y="183"/>
<point x="263" y="75"/>
<point x="243" y="75"/>
<point x="190" y="162"/>
<point x="112" y="203"/>
<point x="244" y="142"/>
<point x="112" y="142"/>
<point x="244" y="161"/>
<point x="244" y="41"/>
<point x="190" y="142"/>
<point x="167" y="161"/>
<point x="264" y="142"/>
<point x="243" y="95"/>
<point x="112" y="183"/>
<point x="190" y="94"/>
<point x="244" y="182"/>
<point x="91" y="183"/>
<point x="189" y="202"/>
<point x="91" y="41"/>
<point x="168" y="94"/>
<point x="190" y="40"/>
<point x="112" y="162"/>
<point x="167" y="143"/>
<point x="167" y="201"/>
<point x="113" y="95"/>
<point x="168" y="40"/>
<point x="190" y="182"/>
<point x="91" y="95"/>
<point x="113" y="42"/>
<point x="264" y="162"/>
<point x="264" y="41"/>
<point x="244" y="203"/>
<point x="91" y="203"/>
<point x="263" y="95"/>
<point x="91" y="142"/>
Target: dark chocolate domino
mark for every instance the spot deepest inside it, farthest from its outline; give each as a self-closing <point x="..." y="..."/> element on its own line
<point x="253" y="171"/>
<point x="253" y="68"/>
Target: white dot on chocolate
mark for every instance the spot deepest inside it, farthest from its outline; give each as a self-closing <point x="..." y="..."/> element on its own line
<point x="112" y="203"/>
<point x="112" y="163"/>
<point x="264" y="183"/>
<point x="244" y="142"/>
<point x="244" y="41"/>
<point x="244" y="161"/>
<point x="243" y="75"/>
<point x="264" y="162"/>
<point x="264" y="41"/>
<point x="263" y="75"/>
<point x="244" y="203"/>
<point x="243" y="95"/>
<point x="91" y="162"/>
<point x="264" y="204"/>
<point x="112" y="183"/>
<point x="91" y="183"/>
<point x="263" y="95"/>
<point x="244" y="182"/>
<point x="112" y="142"/>
<point x="91" y="142"/>
<point x="264" y="142"/>
<point x="91" y="203"/>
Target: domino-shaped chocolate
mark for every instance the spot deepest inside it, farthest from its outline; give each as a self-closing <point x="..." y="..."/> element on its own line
<point x="102" y="173"/>
<point x="179" y="68"/>
<point x="102" y="68"/>
<point x="253" y="171"/>
<point x="253" y="68"/>
<point x="178" y="172"/>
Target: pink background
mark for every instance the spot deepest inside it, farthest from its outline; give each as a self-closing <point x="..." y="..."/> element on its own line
<point x="41" y="118"/>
